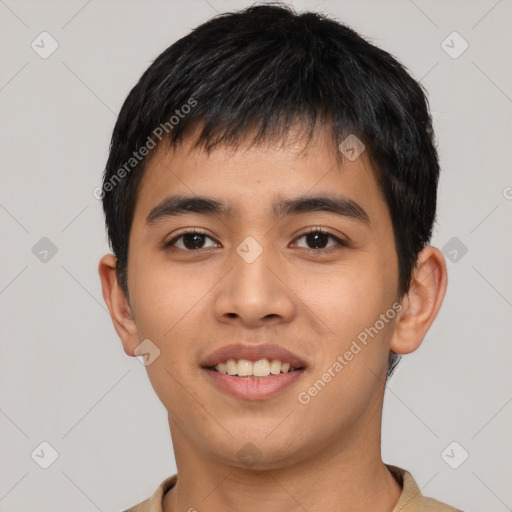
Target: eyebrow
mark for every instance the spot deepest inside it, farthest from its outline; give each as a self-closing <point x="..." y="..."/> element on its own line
<point x="182" y="204"/>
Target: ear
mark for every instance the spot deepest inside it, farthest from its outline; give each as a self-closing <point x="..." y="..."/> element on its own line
<point x="422" y="302"/>
<point x="118" y="304"/>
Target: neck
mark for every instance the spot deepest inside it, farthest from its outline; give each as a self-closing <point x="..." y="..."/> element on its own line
<point x="348" y="472"/>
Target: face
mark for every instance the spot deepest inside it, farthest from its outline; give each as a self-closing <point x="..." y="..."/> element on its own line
<point x="264" y="274"/>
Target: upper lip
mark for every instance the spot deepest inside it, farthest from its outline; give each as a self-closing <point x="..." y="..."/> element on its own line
<point x="252" y="353"/>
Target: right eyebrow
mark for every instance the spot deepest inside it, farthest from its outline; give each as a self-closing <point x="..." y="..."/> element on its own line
<point x="179" y="204"/>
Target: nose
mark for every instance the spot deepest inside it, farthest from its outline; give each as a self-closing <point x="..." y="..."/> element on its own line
<point x="255" y="292"/>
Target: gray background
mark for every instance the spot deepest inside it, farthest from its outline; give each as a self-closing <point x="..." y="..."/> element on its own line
<point x="64" y="377"/>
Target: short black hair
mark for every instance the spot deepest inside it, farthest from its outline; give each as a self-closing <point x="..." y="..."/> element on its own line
<point x="262" y="71"/>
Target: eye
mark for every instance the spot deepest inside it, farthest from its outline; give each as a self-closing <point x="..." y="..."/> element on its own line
<point x="316" y="237"/>
<point x="319" y="239"/>
<point x="190" y="241"/>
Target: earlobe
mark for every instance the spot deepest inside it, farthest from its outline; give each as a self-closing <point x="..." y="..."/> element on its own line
<point x="117" y="303"/>
<point x="421" y="304"/>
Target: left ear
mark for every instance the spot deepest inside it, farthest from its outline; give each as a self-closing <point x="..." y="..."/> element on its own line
<point x="422" y="302"/>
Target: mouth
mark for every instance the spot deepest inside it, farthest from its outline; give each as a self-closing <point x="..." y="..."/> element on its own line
<point x="253" y="372"/>
<point x="254" y="369"/>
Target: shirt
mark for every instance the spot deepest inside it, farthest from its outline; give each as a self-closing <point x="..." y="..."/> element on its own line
<point x="411" y="499"/>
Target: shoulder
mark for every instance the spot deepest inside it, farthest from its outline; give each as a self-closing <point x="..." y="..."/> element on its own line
<point x="412" y="500"/>
<point x="154" y="502"/>
<point x="143" y="506"/>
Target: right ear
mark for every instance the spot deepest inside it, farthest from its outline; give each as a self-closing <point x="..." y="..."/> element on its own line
<point x="118" y="305"/>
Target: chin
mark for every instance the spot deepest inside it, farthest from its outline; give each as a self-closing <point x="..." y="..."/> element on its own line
<point x="261" y="453"/>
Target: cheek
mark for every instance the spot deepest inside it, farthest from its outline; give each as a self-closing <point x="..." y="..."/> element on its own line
<point x="164" y="296"/>
<point x="351" y="304"/>
<point x="169" y="306"/>
<point x="165" y="304"/>
<point x="350" y="374"/>
<point x="350" y="299"/>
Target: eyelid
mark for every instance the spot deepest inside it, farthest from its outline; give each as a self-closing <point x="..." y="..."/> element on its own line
<point x="315" y="229"/>
<point x="187" y="231"/>
<point x="341" y="241"/>
<point x="320" y="229"/>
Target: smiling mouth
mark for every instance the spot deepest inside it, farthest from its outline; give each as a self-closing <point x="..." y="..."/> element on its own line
<point x="253" y="369"/>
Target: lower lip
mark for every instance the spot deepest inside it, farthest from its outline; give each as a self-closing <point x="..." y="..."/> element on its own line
<point x="253" y="388"/>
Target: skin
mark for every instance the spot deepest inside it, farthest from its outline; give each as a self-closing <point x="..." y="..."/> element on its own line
<point x="191" y="303"/>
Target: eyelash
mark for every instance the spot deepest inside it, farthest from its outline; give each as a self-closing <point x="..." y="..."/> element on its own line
<point x="341" y="243"/>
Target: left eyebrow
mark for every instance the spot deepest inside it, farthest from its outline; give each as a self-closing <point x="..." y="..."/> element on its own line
<point x="182" y="204"/>
<point x="339" y="205"/>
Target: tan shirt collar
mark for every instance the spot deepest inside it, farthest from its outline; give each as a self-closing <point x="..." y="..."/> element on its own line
<point x="411" y="499"/>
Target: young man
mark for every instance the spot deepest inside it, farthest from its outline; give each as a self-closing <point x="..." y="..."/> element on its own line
<point x="269" y="196"/>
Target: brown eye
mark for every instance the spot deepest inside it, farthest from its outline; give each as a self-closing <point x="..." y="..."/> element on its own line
<point x="190" y="241"/>
<point x="317" y="240"/>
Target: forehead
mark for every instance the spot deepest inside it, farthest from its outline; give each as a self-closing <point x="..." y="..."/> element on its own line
<point x="247" y="177"/>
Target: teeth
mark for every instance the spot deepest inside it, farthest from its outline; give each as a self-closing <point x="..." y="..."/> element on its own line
<point x="222" y="367"/>
<point x="275" y="367"/>
<point x="231" y="367"/>
<point x="260" y="368"/>
<point x="244" y="368"/>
